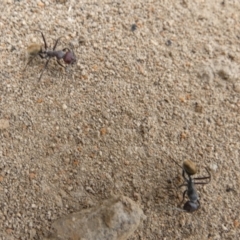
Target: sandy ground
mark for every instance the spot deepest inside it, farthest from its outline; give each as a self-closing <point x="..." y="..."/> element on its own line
<point x="140" y="95"/>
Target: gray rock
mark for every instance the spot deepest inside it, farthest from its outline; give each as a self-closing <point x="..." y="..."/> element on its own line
<point x="115" y="219"/>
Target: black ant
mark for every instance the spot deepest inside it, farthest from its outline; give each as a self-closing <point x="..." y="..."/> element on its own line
<point x="193" y="203"/>
<point x="66" y="54"/>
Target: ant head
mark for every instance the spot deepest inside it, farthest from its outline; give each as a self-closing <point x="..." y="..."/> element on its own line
<point x="191" y="206"/>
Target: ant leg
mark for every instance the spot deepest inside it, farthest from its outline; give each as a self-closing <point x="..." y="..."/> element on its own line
<point x="66" y="49"/>
<point x="187" y="180"/>
<point x="42" y="56"/>
<point x="203" y="183"/>
<point x="184" y="193"/>
<point x="175" y="162"/>
<point x="45" y="43"/>
<point x="183" y="175"/>
<point x="184" y="184"/>
<point x="29" y="61"/>
<point x="202" y="178"/>
<point x="55" y="45"/>
<point x="199" y="205"/>
<point x="32" y="57"/>
<point x="60" y="63"/>
<point x="45" y="66"/>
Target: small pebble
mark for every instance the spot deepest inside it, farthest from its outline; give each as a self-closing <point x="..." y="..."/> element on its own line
<point x="237" y="87"/>
<point x="214" y="167"/>
<point x="168" y="43"/>
<point x="133" y="27"/>
<point x="41" y="4"/>
<point x="64" y="106"/>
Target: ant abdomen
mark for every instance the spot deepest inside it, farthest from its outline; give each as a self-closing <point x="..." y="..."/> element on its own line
<point x="69" y="58"/>
<point x="190" y="206"/>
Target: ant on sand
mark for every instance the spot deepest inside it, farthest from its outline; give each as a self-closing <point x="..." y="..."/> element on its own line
<point x="66" y="54"/>
<point x="189" y="169"/>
